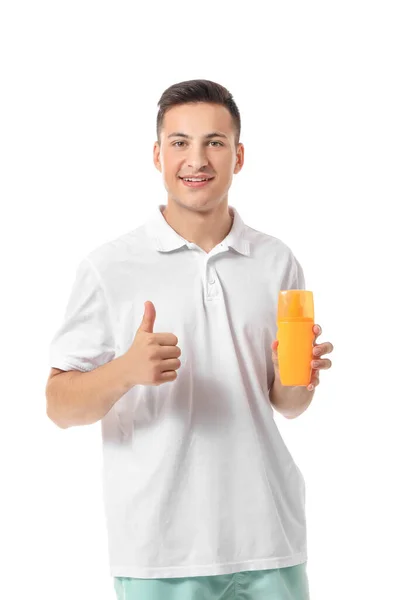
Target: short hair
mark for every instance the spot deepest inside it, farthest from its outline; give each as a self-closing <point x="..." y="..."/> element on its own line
<point x="197" y="90"/>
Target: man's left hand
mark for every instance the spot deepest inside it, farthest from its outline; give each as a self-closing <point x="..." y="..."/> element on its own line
<point x="317" y="362"/>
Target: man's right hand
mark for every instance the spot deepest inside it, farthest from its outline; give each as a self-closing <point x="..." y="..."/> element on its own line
<point x="153" y="357"/>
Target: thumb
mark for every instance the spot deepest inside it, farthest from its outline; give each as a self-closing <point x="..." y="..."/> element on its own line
<point x="147" y="323"/>
<point x="274" y="352"/>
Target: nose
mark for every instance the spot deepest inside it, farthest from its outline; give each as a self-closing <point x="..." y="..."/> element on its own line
<point x="197" y="159"/>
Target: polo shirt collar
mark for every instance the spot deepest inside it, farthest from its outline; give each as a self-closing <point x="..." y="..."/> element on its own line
<point x="167" y="239"/>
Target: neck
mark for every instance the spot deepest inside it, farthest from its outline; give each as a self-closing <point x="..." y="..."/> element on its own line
<point x="205" y="229"/>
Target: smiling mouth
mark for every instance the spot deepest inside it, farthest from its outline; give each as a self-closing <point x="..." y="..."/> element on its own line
<point x="196" y="184"/>
<point x="196" y="179"/>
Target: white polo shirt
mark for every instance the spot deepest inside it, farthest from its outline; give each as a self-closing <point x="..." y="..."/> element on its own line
<point x="197" y="478"/>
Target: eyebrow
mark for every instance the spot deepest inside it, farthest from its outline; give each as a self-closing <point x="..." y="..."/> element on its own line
<point x="206" y="137"/>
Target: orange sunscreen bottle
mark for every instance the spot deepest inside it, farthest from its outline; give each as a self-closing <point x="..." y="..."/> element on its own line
<point x="295" y="320"/>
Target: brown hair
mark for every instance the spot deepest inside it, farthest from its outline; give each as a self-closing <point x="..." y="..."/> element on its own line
<point x="197" y="90"/>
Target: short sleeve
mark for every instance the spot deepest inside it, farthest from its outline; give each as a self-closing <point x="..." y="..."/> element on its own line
<point x="85" y="339"/>
<point x="294" y="278"/>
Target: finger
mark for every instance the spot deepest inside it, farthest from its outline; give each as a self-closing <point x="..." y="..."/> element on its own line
<point x="314" y="380"/>
<point x="168" y="352"/>
<point x="325" y="363"/>
<point x="317" y="329"/>
<point x="165" y="339"/>
<point x="324" y="348"/>
<point x="170" y="364"/>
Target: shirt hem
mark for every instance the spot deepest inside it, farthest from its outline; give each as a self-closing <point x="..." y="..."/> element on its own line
<point x="207" y="570"/>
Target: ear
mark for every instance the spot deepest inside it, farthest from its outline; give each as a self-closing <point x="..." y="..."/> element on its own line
<point x="156" y="156"/>
<point x="239" y="158"/>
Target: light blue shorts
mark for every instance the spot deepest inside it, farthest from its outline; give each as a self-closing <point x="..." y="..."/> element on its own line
<point x="288" y="583"/>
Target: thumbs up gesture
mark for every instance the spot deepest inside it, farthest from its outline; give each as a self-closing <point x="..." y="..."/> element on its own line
<point x="152" y="359"/>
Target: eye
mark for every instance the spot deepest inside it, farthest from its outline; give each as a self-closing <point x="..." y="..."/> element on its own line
<point x="212" y="142"/>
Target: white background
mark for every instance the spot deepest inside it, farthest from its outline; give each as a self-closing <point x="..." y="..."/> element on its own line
<point x="321" y="87"/>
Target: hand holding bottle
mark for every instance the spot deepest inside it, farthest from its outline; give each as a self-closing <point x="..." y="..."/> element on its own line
<point x="317" y="362"/>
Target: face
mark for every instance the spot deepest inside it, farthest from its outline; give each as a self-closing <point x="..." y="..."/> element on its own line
<point x="216" y="157"/>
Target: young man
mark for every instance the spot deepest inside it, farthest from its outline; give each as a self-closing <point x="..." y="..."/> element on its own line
<point x="169" y="340"/>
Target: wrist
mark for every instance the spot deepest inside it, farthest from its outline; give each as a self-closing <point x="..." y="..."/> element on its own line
<point x="126" y="372"/>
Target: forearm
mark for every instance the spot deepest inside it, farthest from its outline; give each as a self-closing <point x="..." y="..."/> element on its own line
<point x="290" y="401"/>
<point x="83" y="398"/>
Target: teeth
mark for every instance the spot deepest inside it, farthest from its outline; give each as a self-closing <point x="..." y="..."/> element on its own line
<point x="185" y="179"/>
